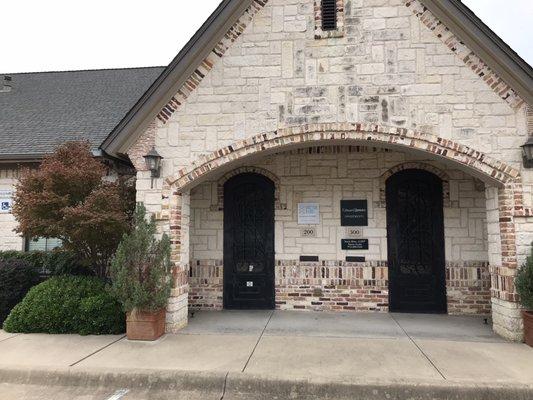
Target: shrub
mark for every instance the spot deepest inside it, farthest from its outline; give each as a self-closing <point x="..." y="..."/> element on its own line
<point x="140" y="271"/>
<point x="16" y="278"/>
<point x="53" y="263"/>
<point x="67" y="304"/>
<point x="524" y="283"/>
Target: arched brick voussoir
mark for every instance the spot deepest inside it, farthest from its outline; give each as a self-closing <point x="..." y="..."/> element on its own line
<point x="349" y="133"/>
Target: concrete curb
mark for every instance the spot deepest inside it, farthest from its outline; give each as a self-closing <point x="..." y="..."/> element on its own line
<point x="156" y="380"/>
<point x="238" y="386"/>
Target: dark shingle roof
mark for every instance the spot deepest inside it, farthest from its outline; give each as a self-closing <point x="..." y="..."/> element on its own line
<point x="45" y="109"/>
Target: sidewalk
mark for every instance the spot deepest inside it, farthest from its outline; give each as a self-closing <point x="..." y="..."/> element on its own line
<point x="294" y="348"/>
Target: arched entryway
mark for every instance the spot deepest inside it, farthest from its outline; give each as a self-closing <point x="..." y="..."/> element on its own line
<point x="249" y="242"/>
<point x="415" y="233"/>
<point x="503" y="203"/>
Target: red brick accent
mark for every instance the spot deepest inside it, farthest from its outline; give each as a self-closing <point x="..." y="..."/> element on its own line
<point x="347" y="134"/>
<point x="206" y="285"/>
<point x="468" y="287"/>
<point x="342" y="286"/>
<point x="476" y="64"/>
<point x="180" y="266"/>
<point x="332" y="286"/>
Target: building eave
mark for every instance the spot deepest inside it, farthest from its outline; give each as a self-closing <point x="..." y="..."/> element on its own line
<point x="21" y="158"/>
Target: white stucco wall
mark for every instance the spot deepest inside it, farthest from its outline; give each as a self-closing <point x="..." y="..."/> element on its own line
<point x="9" y="240"/>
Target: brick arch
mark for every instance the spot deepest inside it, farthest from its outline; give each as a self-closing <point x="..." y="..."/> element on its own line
<point x="241" y="170"/>
<point x="415" y="165"/>
<point x="346" y="133"/>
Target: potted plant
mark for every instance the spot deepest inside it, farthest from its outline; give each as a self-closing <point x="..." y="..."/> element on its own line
<point x="524" y="287"/>
<point x="141" y="278"/>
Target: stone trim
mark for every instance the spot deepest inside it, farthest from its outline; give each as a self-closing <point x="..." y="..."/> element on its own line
<point x="413" y="165"/>
<point x="207" y="64"/>
<point x="219" y="206"/>
<point x="347" y="133"/>
<point x="476" y="64"/>
<point x="321" y="34"/>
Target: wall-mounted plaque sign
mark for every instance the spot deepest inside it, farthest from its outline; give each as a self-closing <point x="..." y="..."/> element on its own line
<point x="354" y="244"/>
<point x="6" y="201"/>
<point x="354" y="212"/>
<point x="308" y="214"/>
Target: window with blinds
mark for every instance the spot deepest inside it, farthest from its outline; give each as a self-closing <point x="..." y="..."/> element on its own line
<point x="329" y="15"/>
<point x="42" y="244"/>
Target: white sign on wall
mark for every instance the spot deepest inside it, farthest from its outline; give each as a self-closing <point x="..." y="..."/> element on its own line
<point x="308" y="214"/>
<point x="6" y="201"/>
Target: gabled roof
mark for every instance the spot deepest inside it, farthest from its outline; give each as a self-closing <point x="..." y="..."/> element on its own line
<point x="44" y="109"/>
<point x="455" y="15"/>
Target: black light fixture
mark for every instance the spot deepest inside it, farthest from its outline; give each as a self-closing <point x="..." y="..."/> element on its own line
<point x="153" y="162"/>
<point x="527" y="153"/>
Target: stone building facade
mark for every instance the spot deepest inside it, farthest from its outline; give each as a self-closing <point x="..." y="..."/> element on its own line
<point x="335" y="115"/>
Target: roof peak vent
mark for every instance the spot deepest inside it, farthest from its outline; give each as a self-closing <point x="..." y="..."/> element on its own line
<point x="6" y="84"/>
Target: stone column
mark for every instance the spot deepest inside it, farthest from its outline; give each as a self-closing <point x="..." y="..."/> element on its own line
<point x="178" y="304"/>
<point x="507" y="321"/>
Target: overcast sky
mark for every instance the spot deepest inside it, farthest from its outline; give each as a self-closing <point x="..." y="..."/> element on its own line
<point x="50" y="35"/>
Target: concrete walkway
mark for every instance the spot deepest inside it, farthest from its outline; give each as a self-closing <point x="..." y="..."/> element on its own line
<point x="315" y="347"/>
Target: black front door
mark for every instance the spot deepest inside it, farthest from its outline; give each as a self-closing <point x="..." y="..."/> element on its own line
<point x="249" y="242"/>
<point x="415" y="231"/>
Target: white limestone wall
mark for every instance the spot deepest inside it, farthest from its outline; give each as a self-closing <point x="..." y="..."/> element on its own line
<point x="9" y="240"/>
<point x="388" y="68"/>
<point x="327" y="178"/>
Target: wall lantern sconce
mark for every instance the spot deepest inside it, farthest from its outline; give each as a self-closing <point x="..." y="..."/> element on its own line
<point x="527" y="153"/>
<point x="153" y="162"/>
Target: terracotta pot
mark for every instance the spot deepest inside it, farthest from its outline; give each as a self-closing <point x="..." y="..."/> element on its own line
<point x="528" y="327"/>
<point x="145" y="325"/>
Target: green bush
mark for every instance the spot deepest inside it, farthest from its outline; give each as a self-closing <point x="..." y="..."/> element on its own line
<point x="524" y="283"/>
<point x="140" y="271"/>
<point x="67" y="304"/>
<point x="16" y="278"/>
<point x="52" y="263"/>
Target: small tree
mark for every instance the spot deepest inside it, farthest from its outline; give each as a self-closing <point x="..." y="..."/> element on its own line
<point x="68" y="198"/>
<point x="524" y="283"/>
<point x="140" y="271"/>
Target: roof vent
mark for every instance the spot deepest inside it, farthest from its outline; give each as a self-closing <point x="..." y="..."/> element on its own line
<point x="6" y="84"/>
